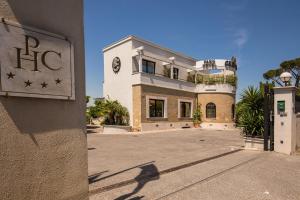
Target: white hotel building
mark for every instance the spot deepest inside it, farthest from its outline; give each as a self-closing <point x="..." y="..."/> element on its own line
<point x="161" y="88"/>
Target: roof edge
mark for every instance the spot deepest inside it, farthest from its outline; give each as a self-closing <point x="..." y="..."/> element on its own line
<point x="133" y="37"/>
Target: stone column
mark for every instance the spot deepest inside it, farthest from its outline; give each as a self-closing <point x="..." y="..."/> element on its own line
<point x="284" y="120"/>
<point x="43" y="147"/>
<point x="171" y="71"/>
<point x="140" y="62"/>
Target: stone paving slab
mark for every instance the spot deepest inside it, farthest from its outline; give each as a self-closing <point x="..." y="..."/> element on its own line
<point x="111" y="154"/>
<point x="239" y="175"/>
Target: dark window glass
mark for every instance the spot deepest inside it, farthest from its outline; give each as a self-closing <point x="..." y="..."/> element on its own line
<point x="185" y="109"/>
<point x="210" y="110"/>
<point x="175" y="73"/>
<point x="148" y="66"/>
<point x="156" y="108"/>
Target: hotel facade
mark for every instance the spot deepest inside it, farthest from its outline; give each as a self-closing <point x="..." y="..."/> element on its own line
<point x="162" y="88"/>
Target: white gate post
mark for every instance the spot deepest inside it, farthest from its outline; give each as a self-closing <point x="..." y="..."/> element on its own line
<point x="284" y="120"/>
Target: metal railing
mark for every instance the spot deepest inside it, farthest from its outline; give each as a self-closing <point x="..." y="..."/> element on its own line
<point x="162" y="75"/>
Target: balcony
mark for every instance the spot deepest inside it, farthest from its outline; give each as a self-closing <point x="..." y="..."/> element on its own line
<point x="172" y="73"/>
<point x="160" y="80"/>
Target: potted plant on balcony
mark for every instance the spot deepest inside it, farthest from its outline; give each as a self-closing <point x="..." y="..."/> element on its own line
<point x="197" y="117"/>
<point x="167" y="72"/>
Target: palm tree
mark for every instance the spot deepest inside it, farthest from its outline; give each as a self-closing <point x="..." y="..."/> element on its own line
<point x="250" y="113"/>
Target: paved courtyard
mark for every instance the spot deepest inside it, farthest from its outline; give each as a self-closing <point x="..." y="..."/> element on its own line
<point x="188" y="164"/>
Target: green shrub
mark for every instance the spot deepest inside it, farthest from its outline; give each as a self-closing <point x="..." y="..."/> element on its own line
<point x="250" y="113"/>
<point x="231" y="79"/>
<point x="112" y="111"/>
<point x="199" y="79"/>
<point x="197" y="115"/>
<point x="191" y="77"/>
<point x="167" y="71"/>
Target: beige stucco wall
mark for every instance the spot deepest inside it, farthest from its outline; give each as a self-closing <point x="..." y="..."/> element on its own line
<point x="43" y="152"/>
<point x="223" y="103"/>
<point x="140" y="93"/>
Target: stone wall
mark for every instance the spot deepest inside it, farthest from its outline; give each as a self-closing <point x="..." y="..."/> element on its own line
<point x="137" y="107"/>
<point x="43" y="150"/>
<point x="140" y="92"/>
<point x="223" y="104"/>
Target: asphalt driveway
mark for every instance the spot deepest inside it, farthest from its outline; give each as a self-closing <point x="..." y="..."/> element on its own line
<point x="188" y="164"/>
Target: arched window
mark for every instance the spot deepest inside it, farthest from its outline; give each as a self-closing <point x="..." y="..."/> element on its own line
<point x="210" y="110"/>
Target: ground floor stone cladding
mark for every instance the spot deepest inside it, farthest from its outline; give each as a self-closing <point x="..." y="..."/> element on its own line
<point x="224" y="103"/>
<point x="141" y="122"/>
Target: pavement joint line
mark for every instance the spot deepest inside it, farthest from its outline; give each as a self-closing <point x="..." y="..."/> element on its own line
<point x="208" y="178"/>
<point x="153" y="175"/>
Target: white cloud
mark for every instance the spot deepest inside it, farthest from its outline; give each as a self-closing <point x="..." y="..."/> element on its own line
<point x="235" y="5"/>
<point x="240" y="37"/>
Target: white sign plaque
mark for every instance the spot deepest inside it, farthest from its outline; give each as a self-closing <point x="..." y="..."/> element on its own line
<point x="35" y="63"/>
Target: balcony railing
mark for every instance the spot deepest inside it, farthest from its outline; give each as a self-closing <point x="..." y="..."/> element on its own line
<point x="165" y="75"/>
<point x="211" y="79"/>
<point x="161" y="80"/>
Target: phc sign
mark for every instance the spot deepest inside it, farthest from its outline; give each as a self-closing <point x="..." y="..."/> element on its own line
<point x="35" y="63"/>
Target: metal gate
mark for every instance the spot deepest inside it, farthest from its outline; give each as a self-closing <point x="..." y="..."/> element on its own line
<point x="268" y="117"/>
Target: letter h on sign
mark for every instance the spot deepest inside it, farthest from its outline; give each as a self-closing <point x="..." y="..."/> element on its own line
<point x="33" y="43"/>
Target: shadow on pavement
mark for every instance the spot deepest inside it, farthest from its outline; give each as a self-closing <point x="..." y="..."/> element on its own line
<point x="149" y="173"/>
<point x="95" y="177"/>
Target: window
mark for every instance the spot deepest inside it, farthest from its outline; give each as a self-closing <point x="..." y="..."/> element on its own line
<point x="175" y="73"/>
<point x="210" y="110"/>
<point x="185" y="109"/>
<point x="156" y="108"/>
<point x="148" y="66"/>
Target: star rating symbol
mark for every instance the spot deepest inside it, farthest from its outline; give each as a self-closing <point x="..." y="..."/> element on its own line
<point x="27" y="83"/>
<point x="58" y="81"/>
<point x="44" y="84"/>
<point x="10" y="75"/>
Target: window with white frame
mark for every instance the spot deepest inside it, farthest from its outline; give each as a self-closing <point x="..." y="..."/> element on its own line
<point x="156" y="107"/>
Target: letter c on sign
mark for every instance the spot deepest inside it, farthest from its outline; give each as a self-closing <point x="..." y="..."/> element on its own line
<point x="44" y="55"/>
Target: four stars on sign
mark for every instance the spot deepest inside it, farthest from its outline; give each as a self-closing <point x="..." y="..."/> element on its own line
<point x="28" y="83"/>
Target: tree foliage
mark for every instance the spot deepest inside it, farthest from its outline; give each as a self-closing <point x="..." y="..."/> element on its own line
<point x="292" y="66"/>
<point x="250" y="113"/>
<point x="112" y="112"/>
<point x="87" y="99"/>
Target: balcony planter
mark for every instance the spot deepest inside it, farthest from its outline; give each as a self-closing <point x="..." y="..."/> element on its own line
<point x="254" y="143"/>
<point x="116" y="129"/>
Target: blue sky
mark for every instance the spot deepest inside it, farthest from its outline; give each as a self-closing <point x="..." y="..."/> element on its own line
<point x="260" y="33"/>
